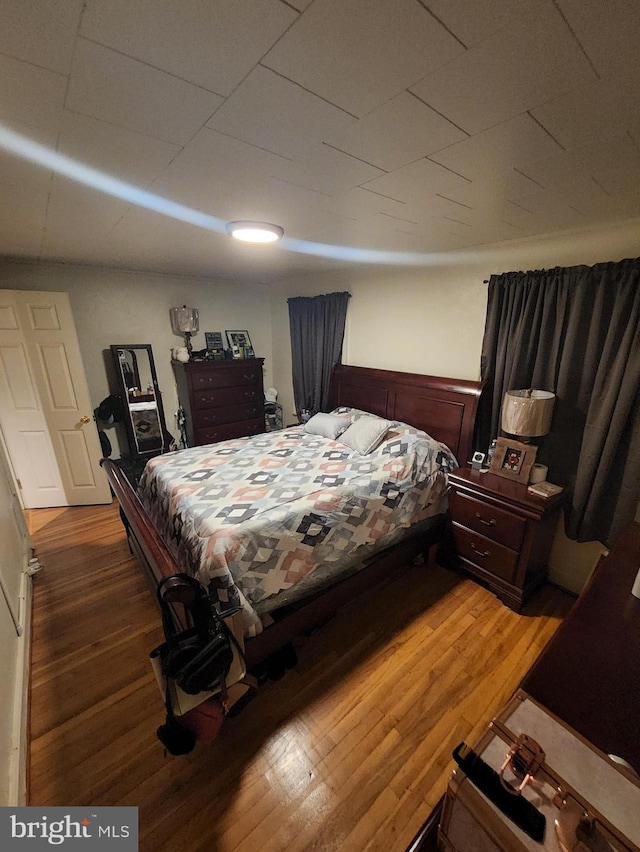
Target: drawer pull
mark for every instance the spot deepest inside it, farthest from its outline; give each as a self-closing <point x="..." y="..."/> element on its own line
<point x="249" y="376"/>
<point x="483" y="553"/>
<point x="490" y="523"/>
<point x="249" y="393"/>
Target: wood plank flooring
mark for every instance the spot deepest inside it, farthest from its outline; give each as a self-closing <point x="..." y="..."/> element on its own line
<point x="350" y="750"/>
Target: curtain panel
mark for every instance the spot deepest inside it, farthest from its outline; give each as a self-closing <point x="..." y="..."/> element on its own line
<point x="574" y="331"/>
<point x="317" y="330"/>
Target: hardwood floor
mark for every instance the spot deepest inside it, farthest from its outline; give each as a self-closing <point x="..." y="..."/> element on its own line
<point x="350" y="750"/>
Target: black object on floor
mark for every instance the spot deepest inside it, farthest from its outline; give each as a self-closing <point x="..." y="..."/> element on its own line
<point x="274" y="667"/>
<point x="132" y="468"/>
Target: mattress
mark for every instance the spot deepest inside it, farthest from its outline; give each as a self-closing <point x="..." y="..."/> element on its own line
<point x="254" y="518"/>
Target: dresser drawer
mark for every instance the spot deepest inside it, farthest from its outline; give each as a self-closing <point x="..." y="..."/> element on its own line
<point x="217" y="397"/>
<point x="226" y="378"/>
<point x="486" y="554"/>
<point x="209" y="417"/>
<point x="226" y="431"/>
<point x="497" y="524"/>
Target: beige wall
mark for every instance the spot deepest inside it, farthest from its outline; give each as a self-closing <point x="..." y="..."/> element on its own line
<point x="422" y="321"/>
<point x="112" y="306"/>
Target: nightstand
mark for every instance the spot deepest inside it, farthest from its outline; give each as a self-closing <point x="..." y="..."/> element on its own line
<point x="500" y="533"/>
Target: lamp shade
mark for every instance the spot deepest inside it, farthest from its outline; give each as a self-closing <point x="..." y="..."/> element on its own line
<point x="527" y="412"/>
<point x="184" y="320"/>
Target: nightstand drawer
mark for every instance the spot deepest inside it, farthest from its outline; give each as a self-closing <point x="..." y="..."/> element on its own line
<point x="485" y="553"/>
<point x="497" y="524"/>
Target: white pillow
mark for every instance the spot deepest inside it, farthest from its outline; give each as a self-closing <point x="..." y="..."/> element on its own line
<point x="326" y="425"/>
<point x="365" y="434"/>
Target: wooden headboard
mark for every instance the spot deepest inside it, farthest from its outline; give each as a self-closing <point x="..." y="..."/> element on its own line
<point x="445" y="408"/>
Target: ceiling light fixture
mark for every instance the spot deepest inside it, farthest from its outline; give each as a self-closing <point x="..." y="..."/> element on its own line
<point x="255" y="232"/>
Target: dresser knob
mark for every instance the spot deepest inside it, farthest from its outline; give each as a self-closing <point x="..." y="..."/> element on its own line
<point x="490" y="523"/>
<point x="249" y="393"/>
<point x="249" y="377"/>
<point x="483" y="553"/>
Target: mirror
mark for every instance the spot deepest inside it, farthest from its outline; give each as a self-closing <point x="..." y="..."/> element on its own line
<point x="143" y="413"/>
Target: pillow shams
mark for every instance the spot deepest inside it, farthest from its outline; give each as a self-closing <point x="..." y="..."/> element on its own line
<point x="326" y="425"/>
<point x="365" y="434"/>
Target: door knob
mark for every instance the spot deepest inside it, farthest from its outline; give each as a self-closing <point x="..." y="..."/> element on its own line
<point x="85" y="419"/>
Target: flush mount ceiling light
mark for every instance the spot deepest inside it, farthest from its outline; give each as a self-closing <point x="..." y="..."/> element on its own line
<point x="255" y="232"/>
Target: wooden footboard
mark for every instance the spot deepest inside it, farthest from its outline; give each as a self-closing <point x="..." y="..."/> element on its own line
<point x="144" y="540"/>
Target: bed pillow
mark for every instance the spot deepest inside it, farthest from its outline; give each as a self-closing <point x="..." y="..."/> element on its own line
<point x="326" y="425"/>
<point x="347" y="411"/>
<point x="365" y="434"/>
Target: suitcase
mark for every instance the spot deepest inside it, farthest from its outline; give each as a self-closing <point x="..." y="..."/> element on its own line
<point x="537" y="773"/>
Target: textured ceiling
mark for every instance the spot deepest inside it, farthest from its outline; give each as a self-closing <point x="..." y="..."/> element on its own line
<point x="403" y="126"/>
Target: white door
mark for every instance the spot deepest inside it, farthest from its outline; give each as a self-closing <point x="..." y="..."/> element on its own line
<point x="45" y="410"/>
<point x="16" y="543"/>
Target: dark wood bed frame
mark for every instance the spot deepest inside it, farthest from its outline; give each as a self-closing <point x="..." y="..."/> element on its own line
<point x="445" y="408"/>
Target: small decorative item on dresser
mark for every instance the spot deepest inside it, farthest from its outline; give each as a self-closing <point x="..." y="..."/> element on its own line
<point x="513" y="460"/>
<point x="180" y="353"/>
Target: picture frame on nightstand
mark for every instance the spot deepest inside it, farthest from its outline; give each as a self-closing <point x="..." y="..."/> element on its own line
<point x="513" y="459"/>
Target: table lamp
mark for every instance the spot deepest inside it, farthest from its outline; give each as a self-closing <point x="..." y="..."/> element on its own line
<point x="184" y="321"/>
<point x="527" y="413"/>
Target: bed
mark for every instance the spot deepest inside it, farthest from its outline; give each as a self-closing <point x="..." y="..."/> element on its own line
<point x="279" y="524"/>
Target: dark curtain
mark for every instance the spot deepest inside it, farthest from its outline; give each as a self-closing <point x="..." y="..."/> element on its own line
<point x="317" y="330"/>
<point x="574" y="331"/>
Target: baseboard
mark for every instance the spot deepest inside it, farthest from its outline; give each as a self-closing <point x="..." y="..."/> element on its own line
<point x="19" y="755"/>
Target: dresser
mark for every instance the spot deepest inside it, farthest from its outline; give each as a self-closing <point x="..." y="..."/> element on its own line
<point x="500" y="533"/>
<point x="221" y="399"/>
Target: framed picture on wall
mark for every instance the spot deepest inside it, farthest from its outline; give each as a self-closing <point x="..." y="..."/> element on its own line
<point x="513" y="459"/>
<point x="238" y="338"/>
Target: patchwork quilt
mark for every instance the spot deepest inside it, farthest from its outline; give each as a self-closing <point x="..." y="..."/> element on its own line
<point x="252" y="517"/>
